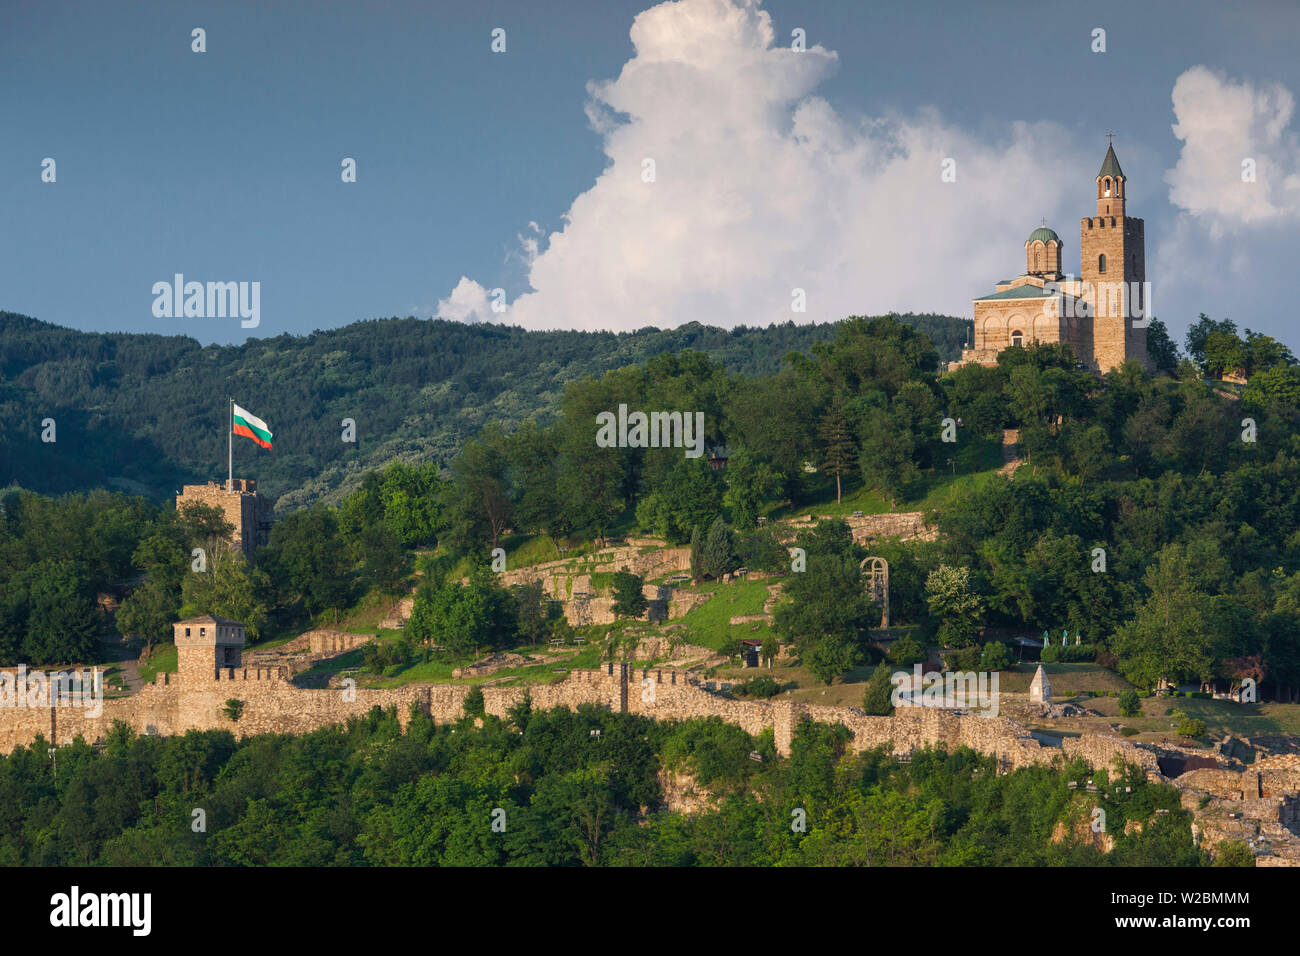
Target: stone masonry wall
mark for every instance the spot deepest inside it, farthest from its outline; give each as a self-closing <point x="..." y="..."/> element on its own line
<point x="272" y="704"/>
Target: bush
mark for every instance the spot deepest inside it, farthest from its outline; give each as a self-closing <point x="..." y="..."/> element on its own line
<point x="761" y="551"/>
<point x="1191" y="727"/>
<point x="388" y="657"/>
<point x="878" y="699"/>
<point x="1073" y="654"/>
<point x="1129" y="731"/>
<point x="1232" y="853"/>
<point x="1130" y="705"/>
<point x="234" y="709"/>
<point x="629" y="598"/>
<point x="906" y="651"/>
<point x="474" y="704"/>
<point x="996" y="656"/>
<point x="963" y="659"/>
<point x="761" y="687"/>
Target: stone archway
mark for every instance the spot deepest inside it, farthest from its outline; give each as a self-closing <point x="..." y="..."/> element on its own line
<point x="877" y="570"/>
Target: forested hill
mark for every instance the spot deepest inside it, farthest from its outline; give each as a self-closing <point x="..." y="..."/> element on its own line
<point x="146" y="413"/>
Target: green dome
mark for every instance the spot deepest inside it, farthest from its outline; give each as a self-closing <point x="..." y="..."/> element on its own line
<point x="1043" y="233"/>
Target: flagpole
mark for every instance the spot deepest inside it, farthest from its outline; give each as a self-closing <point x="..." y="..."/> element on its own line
<point x="230" y="446"/>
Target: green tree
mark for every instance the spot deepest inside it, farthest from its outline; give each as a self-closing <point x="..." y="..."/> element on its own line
<point x="1161" y="349"/>
<point x="878" y="699"/>
<point x="718" y="556"/>
<point x="825" y="614"/>
<point x="148" y="612"/>
<point x="629" y="598"/>
<point x="995" y="657"/>
<point x="228" y="588"/>
<point x="750" y="482"/>
<point x="837" y="446"/>
<point x="62" y="620"/>
<point x="956" y="607"/>
<point x="1130" y="705"/>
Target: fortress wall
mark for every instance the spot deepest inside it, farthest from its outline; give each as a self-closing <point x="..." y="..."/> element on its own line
<point x="272" y="704"/>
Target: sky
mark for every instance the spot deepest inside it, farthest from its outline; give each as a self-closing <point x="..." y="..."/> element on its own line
<point x="628" y="164"/>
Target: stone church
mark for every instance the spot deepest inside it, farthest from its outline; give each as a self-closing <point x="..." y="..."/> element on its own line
<point x="1094" y="313"/>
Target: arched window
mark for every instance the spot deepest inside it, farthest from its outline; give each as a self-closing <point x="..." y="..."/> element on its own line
<point x="1101" y="263"/>
<point x="1105" y="183"/>
<point x="1017" y="337"/>
<point x="1037" y="263"/>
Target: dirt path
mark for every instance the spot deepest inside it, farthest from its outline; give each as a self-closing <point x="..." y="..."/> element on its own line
<point x="1010" y="452"/>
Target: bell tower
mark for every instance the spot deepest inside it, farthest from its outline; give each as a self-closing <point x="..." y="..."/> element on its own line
<point x="1112" y="248"/>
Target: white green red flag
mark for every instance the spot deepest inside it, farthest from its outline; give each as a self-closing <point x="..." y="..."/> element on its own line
<point x="250" y="426"/>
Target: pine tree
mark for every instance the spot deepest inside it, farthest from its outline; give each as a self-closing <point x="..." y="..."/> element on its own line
<point x="719" y="555"/>
<point x="838" y="451"/>
<point x="697" y="554"/>
<point x="878" y="700"/>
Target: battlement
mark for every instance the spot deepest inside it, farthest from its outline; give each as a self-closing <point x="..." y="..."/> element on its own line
<point x="243" y="506"/>
<point x="229" y="674"/>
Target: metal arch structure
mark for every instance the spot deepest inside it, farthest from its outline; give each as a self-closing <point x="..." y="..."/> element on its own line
<point x="877" y="570"/>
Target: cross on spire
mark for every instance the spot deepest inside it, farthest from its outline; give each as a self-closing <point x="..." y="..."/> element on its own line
<point x="1110" y="136"/>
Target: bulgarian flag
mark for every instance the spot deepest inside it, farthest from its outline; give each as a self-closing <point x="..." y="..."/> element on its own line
<point x="250" y="426"/>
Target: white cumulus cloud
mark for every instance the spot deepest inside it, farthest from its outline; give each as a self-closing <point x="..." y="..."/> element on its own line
<point x="1228" y="251"/>
<point x="1239" y="159"/>
<point x="760" y="187"/>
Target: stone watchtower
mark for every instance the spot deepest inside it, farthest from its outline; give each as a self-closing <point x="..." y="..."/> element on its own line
<point x="1113" y="268"/>
<point x="242" y="506"/>
<point x="204" y="645"/>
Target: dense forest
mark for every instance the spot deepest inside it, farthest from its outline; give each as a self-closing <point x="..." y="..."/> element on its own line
<point x="147" y="413"/>
<point x="562" y="788"/>
<point x="1156" y="515"/>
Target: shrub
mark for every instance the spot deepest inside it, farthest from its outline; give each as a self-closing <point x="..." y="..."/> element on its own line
<point x="1233" y="853"/>
<point x="474" y="704"/>
<point x="1129" y="731"/>
<point x="234" y="709"/>
<point x="761" y="687"/>
<point x="906" y="651"/>
<point x="761" y="551"/>
<point x="878" y="699"/>
<point x="1072" y="654"/>
<point x="963" y="659"/>
<point x="1129" y="704"/>
<point x="629" y="598"/>
<point x="1191" y="727"/>
<point x="995" y="657"/>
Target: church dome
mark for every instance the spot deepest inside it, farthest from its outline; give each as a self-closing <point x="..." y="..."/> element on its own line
<point x="1043" y="233"/>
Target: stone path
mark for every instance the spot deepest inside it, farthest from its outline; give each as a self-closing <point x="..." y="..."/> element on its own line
<point x="1010" y="452"/>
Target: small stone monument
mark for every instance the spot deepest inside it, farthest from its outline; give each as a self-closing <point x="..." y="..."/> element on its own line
<point x="1040" y="688"/>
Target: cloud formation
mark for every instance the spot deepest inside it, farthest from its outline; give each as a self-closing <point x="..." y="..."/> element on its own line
<point x="1231" y="234"/>
<point x="760" y="188"/>
<point x="1239" y="159"/>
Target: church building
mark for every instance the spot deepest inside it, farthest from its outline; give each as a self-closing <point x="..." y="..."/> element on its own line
<point x="1101" y="314"/>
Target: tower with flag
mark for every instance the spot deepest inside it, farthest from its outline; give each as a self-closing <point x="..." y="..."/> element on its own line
<point x="247" y="511"/>
<point x="245" y="423"/>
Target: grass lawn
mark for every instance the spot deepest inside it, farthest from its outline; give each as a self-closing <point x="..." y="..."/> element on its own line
<point x="1066" y="679"/>
<point x="1222" y="717"/>
<point x="709" y="624"/>
<point x="976" y="461"/>
<point x="162" y="660"/>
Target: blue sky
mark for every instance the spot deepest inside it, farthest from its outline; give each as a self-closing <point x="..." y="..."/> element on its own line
<point x="522" y="170"/>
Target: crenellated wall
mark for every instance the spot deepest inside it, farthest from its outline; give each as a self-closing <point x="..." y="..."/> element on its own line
<point x="272" y="704"/>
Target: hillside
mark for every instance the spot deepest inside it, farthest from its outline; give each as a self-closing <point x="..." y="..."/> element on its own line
<point x="145" y="413"/>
